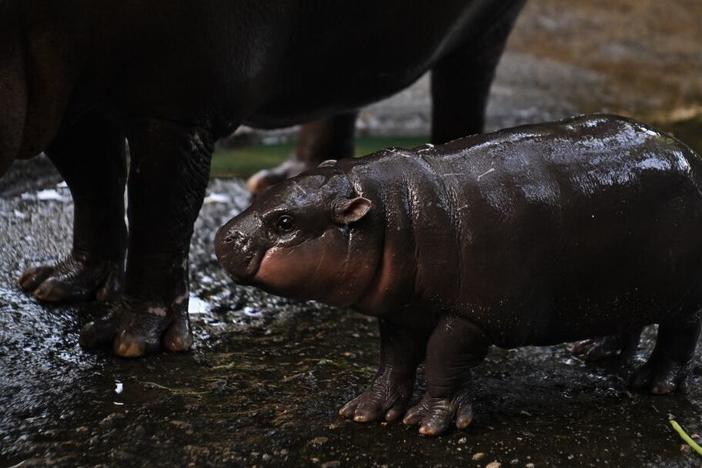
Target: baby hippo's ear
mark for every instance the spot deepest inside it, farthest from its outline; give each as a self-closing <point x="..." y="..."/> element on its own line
<point x="347" y="211"/>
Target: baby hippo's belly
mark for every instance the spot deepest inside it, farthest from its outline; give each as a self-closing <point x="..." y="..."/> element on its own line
<point x="583" y="280"/>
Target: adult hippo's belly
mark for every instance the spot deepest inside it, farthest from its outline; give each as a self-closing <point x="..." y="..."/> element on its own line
<point x="354" y="68"/>
<point x="77" y="78"/>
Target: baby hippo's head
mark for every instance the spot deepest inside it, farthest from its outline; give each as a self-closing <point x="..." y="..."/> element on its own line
<point x="304" y="238"/>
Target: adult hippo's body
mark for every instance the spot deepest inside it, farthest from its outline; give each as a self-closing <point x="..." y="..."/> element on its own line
<point x="529" y="236"/>
<point x="77" y="77"/>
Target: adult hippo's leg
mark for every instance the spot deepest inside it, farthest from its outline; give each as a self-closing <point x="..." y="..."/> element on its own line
<point x="319" y="140"/>
<point x="91" y="158"/>
<point x="168" y="177"/>
<point x="401" y="350"/>
<point x="669" y="364"/>
<point x="460" y="82"/>
<point x="13" y="84"/>
<point x="455" y="346"/>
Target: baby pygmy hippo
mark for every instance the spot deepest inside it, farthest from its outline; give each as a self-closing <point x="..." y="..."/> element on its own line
<point x="535" y="235"/>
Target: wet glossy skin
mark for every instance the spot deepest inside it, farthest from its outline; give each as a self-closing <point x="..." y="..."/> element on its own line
<point x="536" y="235"/>
<point x="78" y="77"/>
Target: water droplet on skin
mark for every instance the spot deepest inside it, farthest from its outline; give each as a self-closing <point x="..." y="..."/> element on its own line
<point x="119" y="387"/>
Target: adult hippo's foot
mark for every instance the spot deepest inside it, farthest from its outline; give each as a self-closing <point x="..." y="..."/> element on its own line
<point x="90" y="156"/>
<point x="436" y="415"/>
<point x="169" y="173"/>
<point x="386" y="399"/>
<point x="318" y="141"/>
<point x="74" y="279"/>
<point x="267" y="178"/>
<point x="135" y="328"/>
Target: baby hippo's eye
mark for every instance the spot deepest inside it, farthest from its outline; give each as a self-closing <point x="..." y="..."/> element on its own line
<point x="285" y="224"/>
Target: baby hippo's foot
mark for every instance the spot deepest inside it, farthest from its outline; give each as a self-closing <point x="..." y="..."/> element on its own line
<point x="661" y="375"/>
<point x="267" y="178"/>
<point x="387" y="398"/>
<point x="135" y="328"/>
<point x="436" y="415"/>
<point x="75" y="278"/>
<point x="621" y="346"/>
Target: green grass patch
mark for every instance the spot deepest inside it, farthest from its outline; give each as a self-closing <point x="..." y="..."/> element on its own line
<point x="243" y="162"/>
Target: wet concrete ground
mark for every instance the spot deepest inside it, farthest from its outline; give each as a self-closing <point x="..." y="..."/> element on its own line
<point x="266" y="377"/>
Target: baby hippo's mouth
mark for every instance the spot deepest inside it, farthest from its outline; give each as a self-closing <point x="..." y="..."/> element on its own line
<point x="238" y="254"/>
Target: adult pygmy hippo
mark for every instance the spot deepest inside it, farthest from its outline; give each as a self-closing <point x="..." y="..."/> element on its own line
<point x="535" y="235"/>
<point x="78" y="76"/>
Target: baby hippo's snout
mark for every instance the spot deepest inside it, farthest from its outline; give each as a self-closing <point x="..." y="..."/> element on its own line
<point x="238" y="250"/>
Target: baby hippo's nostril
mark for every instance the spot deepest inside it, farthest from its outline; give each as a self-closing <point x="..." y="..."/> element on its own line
<point x="238" y="253"/>
<point x="234" y="236"/>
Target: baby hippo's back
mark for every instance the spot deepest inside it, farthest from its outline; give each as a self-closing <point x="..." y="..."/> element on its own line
<point x="585" y="227"/>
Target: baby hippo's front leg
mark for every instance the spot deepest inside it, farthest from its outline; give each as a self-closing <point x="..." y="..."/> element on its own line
<point x="454" y="347"/>
<point x="401" y="350"/>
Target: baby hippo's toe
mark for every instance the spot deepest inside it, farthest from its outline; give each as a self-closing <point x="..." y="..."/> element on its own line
<point x="436" y="415"/>
<point x="382" y="401"/>
<point x="660" y="376"/>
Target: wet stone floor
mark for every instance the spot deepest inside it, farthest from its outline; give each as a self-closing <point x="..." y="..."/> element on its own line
<point x="266" y="377"/>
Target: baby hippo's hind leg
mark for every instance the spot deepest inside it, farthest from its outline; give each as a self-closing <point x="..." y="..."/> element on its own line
<point x="667" y="368"/>
<point x="622" y="346"/>
<point x="90" y="156"/>
<point x="387" y="398"/>
<point x="455" y="346"/>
